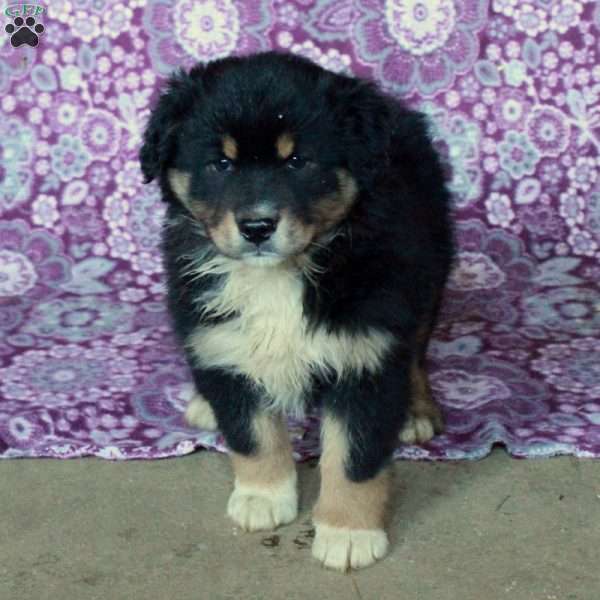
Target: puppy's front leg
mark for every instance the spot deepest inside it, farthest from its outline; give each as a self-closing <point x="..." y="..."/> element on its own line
<point x="359" y="429"/>
<point x="264" y="494"/>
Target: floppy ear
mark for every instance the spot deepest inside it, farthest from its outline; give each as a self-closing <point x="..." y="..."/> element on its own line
<point x="161" y="131"/>
<point x="365" y="120"/>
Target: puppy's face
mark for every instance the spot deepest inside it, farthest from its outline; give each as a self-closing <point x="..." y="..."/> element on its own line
<point x="262" y="197"/>
<point x="260" y="150"/>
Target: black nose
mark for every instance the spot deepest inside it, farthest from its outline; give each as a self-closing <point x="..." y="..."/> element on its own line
<point x="258" y="230"/>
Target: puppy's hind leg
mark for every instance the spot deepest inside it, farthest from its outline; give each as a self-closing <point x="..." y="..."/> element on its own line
<point x="424" y="419"/>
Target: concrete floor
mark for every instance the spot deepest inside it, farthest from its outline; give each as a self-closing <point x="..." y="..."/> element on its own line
<point x="494" y="529"/>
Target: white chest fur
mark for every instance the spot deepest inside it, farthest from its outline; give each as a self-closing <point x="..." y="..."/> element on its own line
<point x="267" y="338"/>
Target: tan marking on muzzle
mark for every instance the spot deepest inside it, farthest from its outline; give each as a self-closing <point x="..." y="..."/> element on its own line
<point x="331" y="209"/>
<point x="293" y="235"/>
<point x="180" y="184"/>
<point x="225" y="234"/>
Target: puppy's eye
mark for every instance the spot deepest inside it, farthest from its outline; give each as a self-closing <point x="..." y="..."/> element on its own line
<point x="296" y="162"/>
<point x="221" y="165"/>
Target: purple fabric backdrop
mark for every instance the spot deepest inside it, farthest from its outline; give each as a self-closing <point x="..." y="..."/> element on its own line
<point x="87" y="360"/>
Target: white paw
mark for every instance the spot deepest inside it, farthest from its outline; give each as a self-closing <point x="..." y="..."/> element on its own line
<point x="342" y="549"/>
<point x="199" y="414"/>
<point x="417" y="430"/>
<point x="255" y="509"/>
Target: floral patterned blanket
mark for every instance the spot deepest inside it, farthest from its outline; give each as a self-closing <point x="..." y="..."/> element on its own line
<point x="88" y="364"/>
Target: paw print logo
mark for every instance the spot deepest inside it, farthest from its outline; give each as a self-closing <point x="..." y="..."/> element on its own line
<point x="24" y="31"/>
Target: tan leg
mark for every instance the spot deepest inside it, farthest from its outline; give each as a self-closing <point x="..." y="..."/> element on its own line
<point x="349" y="516"/>
<point x="424" y="419"/>
<point x="265" y="494"/>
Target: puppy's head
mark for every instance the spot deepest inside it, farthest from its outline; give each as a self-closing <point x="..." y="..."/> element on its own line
<point x="268" y="153"/>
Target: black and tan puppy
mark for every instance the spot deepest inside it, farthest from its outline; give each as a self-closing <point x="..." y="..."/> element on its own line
<point x="307" y="245"/>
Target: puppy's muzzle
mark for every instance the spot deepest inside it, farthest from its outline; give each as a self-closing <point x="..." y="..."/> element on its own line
<point x="257" y="231"/>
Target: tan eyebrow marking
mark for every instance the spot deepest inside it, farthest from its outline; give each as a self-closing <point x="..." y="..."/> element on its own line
<point x="230" y="148"/>
<point x="284" y="145"/>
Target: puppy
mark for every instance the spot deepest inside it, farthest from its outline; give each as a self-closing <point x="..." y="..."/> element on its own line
<point x="307" y="244"/>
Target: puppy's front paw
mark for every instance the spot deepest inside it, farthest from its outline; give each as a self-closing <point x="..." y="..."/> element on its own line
<point x="342" y="548"/>
<point x="255" y="509"/>
<point x="199" y="414"/>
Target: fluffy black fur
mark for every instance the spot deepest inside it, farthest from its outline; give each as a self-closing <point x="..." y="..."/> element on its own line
<point x="387" y="270"/>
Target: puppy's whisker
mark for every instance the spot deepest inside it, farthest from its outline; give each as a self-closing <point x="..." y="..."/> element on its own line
<point x="314" y="269"/>
<point x="311" y="271"/>
<point x="320" y="246"/>
<point x="331" y="236"/>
